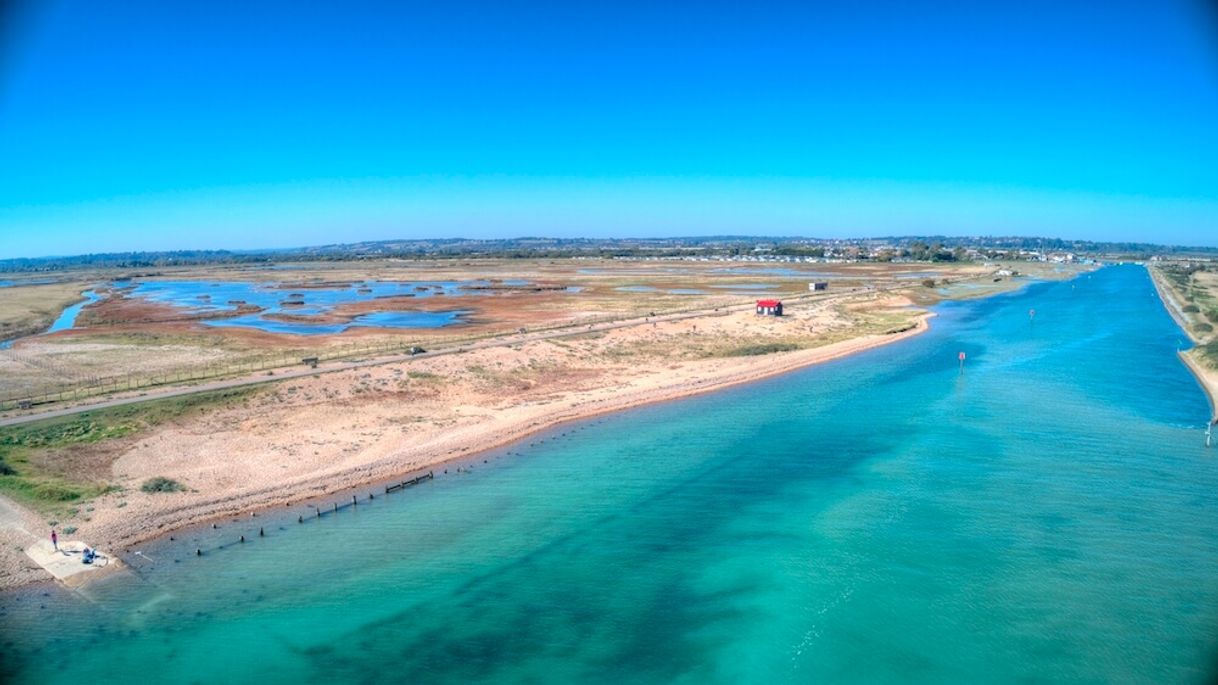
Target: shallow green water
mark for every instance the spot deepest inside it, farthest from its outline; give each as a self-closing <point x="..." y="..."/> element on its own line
<point x="1051" y="515"/>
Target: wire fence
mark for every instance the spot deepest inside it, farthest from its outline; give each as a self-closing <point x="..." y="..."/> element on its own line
<point x="65" y="385"/>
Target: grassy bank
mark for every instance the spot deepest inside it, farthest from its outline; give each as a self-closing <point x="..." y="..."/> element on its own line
<point x="1208" y="354"/>
<point x="31" y="309"/>
<point x="55" y="465"/>
<point x="1194" y="288"/>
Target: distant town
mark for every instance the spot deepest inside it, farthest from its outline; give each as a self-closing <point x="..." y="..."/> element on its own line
<point x="711" y="248"/>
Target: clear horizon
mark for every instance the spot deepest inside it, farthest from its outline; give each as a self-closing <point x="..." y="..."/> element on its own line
<point x="152" y="127"/>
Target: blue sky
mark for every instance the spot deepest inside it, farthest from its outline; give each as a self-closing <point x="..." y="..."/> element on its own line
<point x="163" y="125"/>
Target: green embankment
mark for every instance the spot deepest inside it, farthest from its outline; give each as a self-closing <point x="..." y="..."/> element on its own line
<point x="1209" y="354"/>
<point x="1196" y="289"/>
<point x="27" y="310"/>
<point x="30" y="476"/>
<point x="760" y="349"/>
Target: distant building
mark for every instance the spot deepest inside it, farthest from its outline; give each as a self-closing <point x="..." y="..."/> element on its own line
<point x="819" y="285"/>
<point x="769" y="307"/>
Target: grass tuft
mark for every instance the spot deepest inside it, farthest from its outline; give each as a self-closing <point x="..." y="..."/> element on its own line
<point x="162" y="484"/>
<point x="758" y="349"/>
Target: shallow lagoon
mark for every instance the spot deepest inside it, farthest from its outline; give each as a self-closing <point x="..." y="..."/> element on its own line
<point x="307" y="299"/>
<point x="779" y="271"/>
<point x="1046" y="516"/>
<point x="654" y="289"/>
<point x="9" y="283"/>
<point x="370" y="320"/>
<point x="746" y="286"/>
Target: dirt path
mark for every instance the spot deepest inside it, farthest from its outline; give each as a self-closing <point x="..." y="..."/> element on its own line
<point x="335" y="367"/>
<point x="17" y="533"/>
<point x="12" y="519"/>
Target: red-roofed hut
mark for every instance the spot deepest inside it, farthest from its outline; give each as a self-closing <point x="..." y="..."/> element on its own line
<point x="769" y="307"/>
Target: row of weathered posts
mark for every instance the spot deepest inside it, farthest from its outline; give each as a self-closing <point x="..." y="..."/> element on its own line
<point x="409" y="483"/>
<point x="319" y="510"/>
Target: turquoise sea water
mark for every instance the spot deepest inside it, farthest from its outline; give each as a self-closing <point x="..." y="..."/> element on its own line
<point x="1049" y="516"/>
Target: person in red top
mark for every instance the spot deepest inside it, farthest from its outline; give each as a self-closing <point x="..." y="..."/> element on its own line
<point x="54" y="539"/>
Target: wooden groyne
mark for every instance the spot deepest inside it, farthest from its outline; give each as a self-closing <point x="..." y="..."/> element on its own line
<point x="409" y="483"/>
<point x="317" y="511"/>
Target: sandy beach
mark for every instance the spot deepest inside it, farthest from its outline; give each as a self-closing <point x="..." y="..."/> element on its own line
<point x="303" y="438"/>
<point x="1207" y="377"/>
